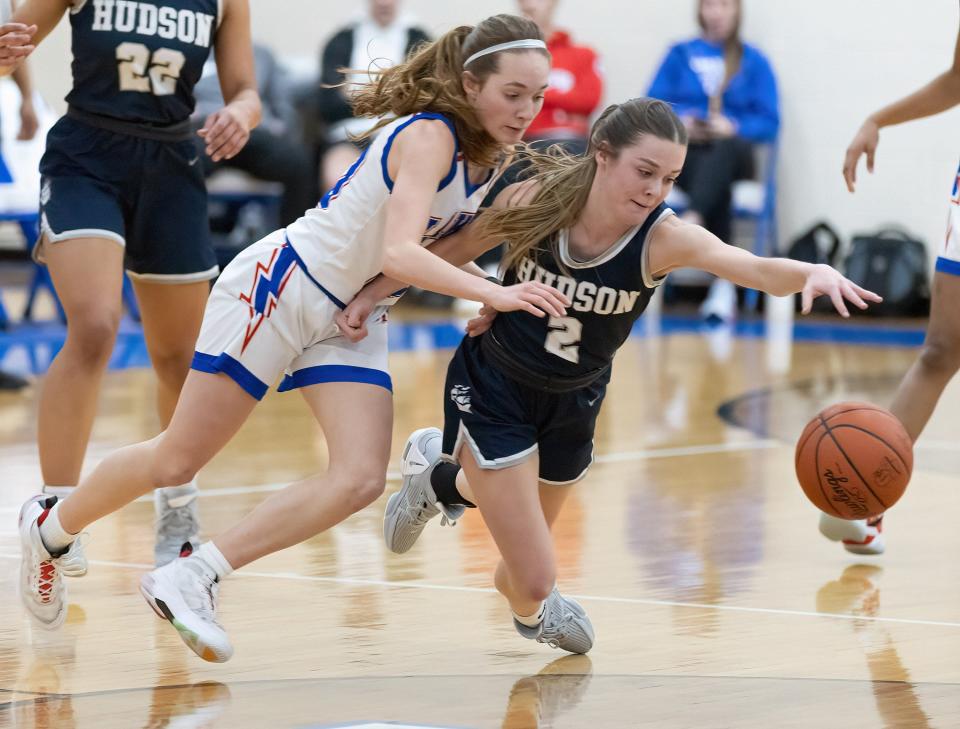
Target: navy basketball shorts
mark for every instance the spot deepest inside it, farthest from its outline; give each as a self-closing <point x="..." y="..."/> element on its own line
<point x="504" y="422"/>
<point x="147" y="195"/>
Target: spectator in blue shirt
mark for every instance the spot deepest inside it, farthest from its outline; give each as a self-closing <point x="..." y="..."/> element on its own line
<point x="726" y="94"/>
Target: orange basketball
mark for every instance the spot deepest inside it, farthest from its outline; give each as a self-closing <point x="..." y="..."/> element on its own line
<point x="854" y="460"/>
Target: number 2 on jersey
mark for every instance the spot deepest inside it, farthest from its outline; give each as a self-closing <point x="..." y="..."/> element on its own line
<point x="146" y="72"/>
<point x="563" y="337"/>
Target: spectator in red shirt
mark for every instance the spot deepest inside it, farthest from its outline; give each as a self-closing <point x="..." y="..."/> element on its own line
<point x="576" y="85"/>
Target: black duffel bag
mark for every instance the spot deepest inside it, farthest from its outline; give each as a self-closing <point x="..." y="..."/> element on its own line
<point x="820" y="244"/>
<point x="893" y="264"/>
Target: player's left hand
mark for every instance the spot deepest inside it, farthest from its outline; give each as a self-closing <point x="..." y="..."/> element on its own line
<point x="225" y="132"/>
<point x="481" y="322"/>
<point x="826" y="281"/>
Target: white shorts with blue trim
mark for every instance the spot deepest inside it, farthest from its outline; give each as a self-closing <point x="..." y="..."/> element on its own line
<point x="267" y="316"/>
<point x="949" y="259"/>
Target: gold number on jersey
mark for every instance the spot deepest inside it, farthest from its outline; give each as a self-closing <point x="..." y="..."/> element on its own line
<point x="563" y="337"/>
<point x="146" y="73"/>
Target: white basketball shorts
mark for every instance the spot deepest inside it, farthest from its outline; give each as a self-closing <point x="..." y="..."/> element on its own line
<point x="949" y="259"/>
<point x="268" y="316"/>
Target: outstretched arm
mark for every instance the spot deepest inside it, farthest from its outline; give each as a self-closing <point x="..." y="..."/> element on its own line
<point x="675" y="244"/>
<point x="939" y="95"/>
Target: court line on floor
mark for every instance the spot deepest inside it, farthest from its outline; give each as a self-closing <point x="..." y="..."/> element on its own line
<point x="616" y="457"/>
<point x="587" y="598"/>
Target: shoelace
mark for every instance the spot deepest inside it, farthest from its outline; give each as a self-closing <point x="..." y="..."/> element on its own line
<point x="447" y="521"/>
<point x="423" y="511"/>
<point x="556" y="632"/>
<point x="201" y="596"/>
<point x="73" y="563"/>
<point x="43" y="578"/>
<point x="420" y="511"/>
<point x="178" y="521"/>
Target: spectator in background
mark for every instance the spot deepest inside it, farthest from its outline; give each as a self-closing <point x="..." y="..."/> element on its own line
<point x="28" y="129"/>
<point x="379" y="39"/>
<point x="576" y="84"/>
<point x="726" y="94"/>
<point x="274" y="152"/>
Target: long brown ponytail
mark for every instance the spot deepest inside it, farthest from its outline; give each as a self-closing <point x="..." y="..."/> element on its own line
<point x="563" y="182"/>
<point x="431" y="80"/>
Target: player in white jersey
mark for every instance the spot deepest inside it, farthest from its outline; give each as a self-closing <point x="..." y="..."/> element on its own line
<point x="459" y="104"/>
<point x="920" y="389"/>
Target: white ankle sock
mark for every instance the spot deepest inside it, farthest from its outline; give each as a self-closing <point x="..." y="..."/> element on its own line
<point x="532" y="621"/>
<point x="214" y="559"/>
<point x="54" y="537"/>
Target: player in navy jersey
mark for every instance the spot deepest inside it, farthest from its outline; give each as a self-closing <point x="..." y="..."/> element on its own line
<point x="523" y="394"/>
<point x="121" y="189"/>
<point x="450" y="112"/>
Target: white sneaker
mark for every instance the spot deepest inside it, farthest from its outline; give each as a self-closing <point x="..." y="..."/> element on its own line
<point x="42" y="591"/>
<point x="859" y="536"/>
<point x="185" y="592"/>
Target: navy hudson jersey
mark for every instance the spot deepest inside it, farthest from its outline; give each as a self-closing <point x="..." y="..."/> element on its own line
<point x="139" y="61"/>
<point x="608" y="293"/>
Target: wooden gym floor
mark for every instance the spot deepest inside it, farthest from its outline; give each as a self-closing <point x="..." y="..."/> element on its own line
<point x="716" y="602"/>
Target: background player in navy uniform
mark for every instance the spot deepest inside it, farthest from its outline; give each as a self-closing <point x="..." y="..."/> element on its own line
<point x="521" y="401"/>
<point x="121" y="188"/>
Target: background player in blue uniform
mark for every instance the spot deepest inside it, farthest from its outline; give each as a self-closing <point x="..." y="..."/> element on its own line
<point x="483" y="86"/>
<point x="121" y="188"/>
<point x="921" y="388"/>
<point x="521" y="401"/>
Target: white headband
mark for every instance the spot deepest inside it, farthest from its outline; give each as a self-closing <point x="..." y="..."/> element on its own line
<point x="526" y="43"/>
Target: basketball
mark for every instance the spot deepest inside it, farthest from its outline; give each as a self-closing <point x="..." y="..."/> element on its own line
<point x="854" y="460"/>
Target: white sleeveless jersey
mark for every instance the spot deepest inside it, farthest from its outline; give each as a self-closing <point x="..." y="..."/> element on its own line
<point x="340" y="243"/>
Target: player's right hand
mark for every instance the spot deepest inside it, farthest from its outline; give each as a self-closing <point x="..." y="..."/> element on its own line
<point x="865" y="142"/>
<point x="533" y="297"/>
<point x="352" y="321"/>
<point x="16" y="42"/>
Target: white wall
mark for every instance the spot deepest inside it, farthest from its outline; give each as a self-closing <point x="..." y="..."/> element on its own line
<point x="836" y="60"/>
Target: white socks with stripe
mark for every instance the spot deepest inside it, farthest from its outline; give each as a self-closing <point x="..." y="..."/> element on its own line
<point x="532" y="621"/>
